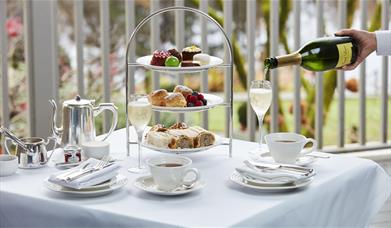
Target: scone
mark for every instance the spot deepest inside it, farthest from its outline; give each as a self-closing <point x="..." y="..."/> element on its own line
<point x="175" y="100"/>
<point x="158" y="97"/>
<point x="184" y="90"/>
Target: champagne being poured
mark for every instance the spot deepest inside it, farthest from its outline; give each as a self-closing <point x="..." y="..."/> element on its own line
<point x="319" y="55"/>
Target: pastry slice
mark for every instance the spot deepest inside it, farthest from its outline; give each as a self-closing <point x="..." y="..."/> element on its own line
<point x="204" y="138"/>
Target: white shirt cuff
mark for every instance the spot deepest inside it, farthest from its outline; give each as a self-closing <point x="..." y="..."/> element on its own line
<point x="383" y="39"/>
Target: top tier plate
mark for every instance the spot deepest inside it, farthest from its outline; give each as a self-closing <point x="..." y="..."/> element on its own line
<point x="145" y="61"/>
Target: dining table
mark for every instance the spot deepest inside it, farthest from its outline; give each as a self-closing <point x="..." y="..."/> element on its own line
<point x="346" y="192"/>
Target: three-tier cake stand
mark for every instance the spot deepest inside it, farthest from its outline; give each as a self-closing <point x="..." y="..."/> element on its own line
<point x="228" y="102"/>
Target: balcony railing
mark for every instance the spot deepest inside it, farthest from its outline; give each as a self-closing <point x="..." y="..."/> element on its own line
<point x="40" y="18"/>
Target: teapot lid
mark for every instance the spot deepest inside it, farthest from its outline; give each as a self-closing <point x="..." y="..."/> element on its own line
<point x="77" y="101"/>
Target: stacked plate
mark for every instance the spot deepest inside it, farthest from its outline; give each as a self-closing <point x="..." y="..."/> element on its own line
<point x="272" y="177"/>
<point x="90" y="178"/>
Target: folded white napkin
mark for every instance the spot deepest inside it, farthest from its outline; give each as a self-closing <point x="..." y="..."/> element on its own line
<point x="273" y="176"/>
<point x="87" y="180"/>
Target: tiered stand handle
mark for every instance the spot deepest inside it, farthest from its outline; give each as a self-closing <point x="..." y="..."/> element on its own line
<point x="227" y="42"/>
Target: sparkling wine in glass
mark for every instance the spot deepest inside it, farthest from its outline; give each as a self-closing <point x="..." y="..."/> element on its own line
<point x="260" y="99"/>
<point x="139" y="115"/>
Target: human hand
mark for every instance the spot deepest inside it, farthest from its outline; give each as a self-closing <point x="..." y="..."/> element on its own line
<point x="366" y="42"/>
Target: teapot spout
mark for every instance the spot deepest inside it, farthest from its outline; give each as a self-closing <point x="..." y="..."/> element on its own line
<point x="56" y="131"/>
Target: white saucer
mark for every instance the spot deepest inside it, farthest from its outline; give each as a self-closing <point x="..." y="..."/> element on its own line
<point x="301" y="161"/>
<point x="98" y="190"/>
<point x="239" y="179"/>
<point x="147" y="184"/>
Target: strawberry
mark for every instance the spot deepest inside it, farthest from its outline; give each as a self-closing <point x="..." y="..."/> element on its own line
<point x="200" y="96"/>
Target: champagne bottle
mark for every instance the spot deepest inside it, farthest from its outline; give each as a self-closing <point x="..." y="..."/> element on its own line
<point x="319" y="55"/>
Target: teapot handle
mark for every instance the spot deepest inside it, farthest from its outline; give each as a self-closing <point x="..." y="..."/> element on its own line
<point x="110" y="107"/>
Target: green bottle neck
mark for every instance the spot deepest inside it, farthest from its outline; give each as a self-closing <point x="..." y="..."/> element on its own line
<point x="283" y="60"/>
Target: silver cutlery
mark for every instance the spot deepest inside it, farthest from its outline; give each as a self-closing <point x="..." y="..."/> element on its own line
<point x="293" y="168"/>
<point x="317" y="156"/>
<point x="66" y="174"/>
<point x="100" y="165"/>
<point x="185" y="187"/>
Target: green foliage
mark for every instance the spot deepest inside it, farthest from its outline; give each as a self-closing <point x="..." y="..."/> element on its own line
<point x="376" y="18"/>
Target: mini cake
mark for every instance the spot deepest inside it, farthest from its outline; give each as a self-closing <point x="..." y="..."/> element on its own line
<point x="175" y="100"/>
<point x="184" y="90"/>
<point x="189" y="52"/>
<point x="190" y="64"/>
<point x="203" y="59"/>
<point x="159" y="57"/>
<point x="175" y="52"/>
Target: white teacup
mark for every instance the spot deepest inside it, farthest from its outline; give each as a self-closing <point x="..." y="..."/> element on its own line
<point x="96" y="149"/>
<point x="170" y="172"/>
<point x="8" y="164"/>
<point x="287" y="147"/>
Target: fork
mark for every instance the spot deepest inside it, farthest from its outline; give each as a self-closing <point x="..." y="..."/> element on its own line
<point x="101" y="164"/>
<point x="291" y="168"/>
<point x="64" y="175"/>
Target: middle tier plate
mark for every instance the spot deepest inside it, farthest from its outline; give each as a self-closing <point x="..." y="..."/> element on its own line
<point x="213" y="101"/>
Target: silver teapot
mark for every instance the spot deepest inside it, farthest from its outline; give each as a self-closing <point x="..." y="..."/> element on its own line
<point x="78" y="120"/>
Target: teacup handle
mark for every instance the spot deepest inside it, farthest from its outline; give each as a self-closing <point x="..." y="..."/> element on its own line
<point x="310" y="150"/>
<point x="197" y="176"/>
<point x="6" y="145"/>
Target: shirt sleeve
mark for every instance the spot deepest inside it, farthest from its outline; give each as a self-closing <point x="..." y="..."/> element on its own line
<point x="383" y="39"/>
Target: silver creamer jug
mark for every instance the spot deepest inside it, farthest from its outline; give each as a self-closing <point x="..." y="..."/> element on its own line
<point x="78" y="120"/>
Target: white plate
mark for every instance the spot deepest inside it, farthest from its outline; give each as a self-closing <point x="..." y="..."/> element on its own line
<point x="147" y="184"/>
<point x="238" y="179"/>
<point x="146" y="60"/>
<point x="213" y="101"/>
<point x="301" y="161"/>
<point x="93" y="191"/>
<point x="218" y="141"/>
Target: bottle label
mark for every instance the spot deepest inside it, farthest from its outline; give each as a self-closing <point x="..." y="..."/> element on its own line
<point x="345" y="54"/>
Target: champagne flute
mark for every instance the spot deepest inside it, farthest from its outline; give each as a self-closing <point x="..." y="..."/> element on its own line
<point x="260" y="94"/>
<point x="139" y="114"/>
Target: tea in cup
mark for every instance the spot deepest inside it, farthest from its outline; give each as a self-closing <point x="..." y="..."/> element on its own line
<point x="287" y="147"/>
<point x="170" y="172"/>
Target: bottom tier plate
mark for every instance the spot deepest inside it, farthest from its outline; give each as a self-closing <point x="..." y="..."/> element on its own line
<point x="219" y="141"/>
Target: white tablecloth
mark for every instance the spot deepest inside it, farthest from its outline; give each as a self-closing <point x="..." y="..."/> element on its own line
<point x="347" y="191"/>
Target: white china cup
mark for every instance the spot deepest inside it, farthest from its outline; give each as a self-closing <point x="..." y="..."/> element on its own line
<point x="96" y="149"/>
<point x="283" y="151"/>
<point x="170" y="178"/>
<point x="8" y="164"/>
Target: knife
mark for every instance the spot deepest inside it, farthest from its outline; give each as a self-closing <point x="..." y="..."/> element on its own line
<point x="282" y="166"/>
